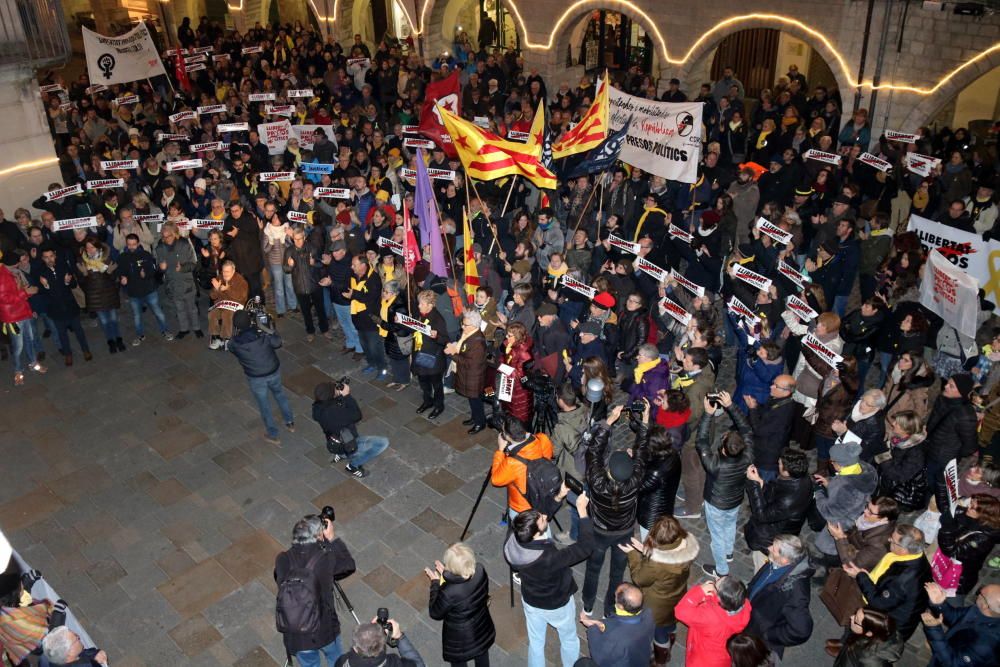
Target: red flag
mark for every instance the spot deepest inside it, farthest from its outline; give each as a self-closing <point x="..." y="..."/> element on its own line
<point x="410" y="254"/>
<point x="448" y="92"/>
<point x="180" y="72"/>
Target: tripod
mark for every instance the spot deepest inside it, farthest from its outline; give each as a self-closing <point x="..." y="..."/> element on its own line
<point x="339" y="596"/>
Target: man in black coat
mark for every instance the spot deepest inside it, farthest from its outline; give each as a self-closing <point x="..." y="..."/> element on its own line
<point x="137" y="273"/>
<point x="242" y="230"/>
<point x="316" y="547"/>
<point x="338" y="414"/>
<point x="772" y="425"/>
<point x="896" y="585"/>
<point x="777" y="506"/>
<point x="547" y="583"/>
<point x="57" y="281"/>
<point x="951" y="432"/>
<point x="779" y="596"/>
<point x="255" y="350"/>
<point x="551" y="337"/>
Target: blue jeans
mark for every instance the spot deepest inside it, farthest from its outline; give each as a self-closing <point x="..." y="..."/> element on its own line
<point x="767" y="475"/>
<point x="109" y="323"/>
<point x="885" y="362"/>
<point x="351" y="339"/>
<point x="722" y="529"/>
<point x="260" y="387"/>
<point x="563" y="620"/>
<point x="840" y="305"/>
<point x="284" y="293"/>
<point x="374" y="348"/>
<point x="369" y="446"/>
<point x="22" y="341"/>
<point x="661" y="635"/>
<point x="152" y="301"/>
<point x="33" y="339"/>
<point x="310" y="658"/>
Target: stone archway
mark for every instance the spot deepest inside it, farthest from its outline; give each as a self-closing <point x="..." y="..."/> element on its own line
<point x="570" y="31"/>
<point x="930" y="105"/>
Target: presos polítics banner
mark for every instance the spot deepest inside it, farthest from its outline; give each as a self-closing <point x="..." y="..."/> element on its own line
<point x="664" y="138"/>
<point x="968" y="252"/>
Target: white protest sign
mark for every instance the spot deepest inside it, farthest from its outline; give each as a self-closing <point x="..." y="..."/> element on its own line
<point x="411" y="142"/>
<point x="198" y="58"/>
<point x="211" y="108"/>
<point x="111" y="165"/>
<point x="194" y="67"/>
<point x="580" y="288"/>
<point x="306" y="134"/>
<point x="435" y="174"/>
<point x="96" y="88"/>
<point x="875" y="161"/>
<point x="285" y="110"/>
<point x="810" y="342"/>
<point x="922" y="165"/>
<point x="676" y="232"/>
<point x="180" y="165"/>
<point x="821" y="156"/>
<point x="751" y="277"/>
<point x="801" y="309"/>
<point x="793" y="274"/>
<point x="396" y="248"/>
<point x="247" y="50"/>
<point x="122" y="59"/>
<point x="50" y="88"/>
<point x="411" y="129"/>
<point x="413" y="323"/>
<point x="740" y="309"/>
<point x="675" y="310"/>
<point x="74" y="223"/>
<point x="148" y="217"/>
<point x="951" y="293"/>
<point x="298" y="216"/>
<point x="106" y="183"/>
<point x="332" y="193"/>
<point x="301" y="92"/>
<point x="167" y="137"/>
<point x="61" y="193"/>
<point x="225" y="304"/>
<point x="902" y="137"/>
<point x="275" y="135"/>
<point x="690" y="286"/>
<point x="664" y="138"/>
<point x="221" y="57"/>
<point x="208" y="146"/>
<point x="650" y="269"/>
<point x="514" y="135"/>
<point x="505" y="383"/>
<point x="774" y="231"/>
<point x="233" y="127"/>
<point x="262" y="97"/>
<point x="126" y="99"/>
<point x="203" y="49"/>
<point x="274" y="176"/>
<point x="951" y="484"/>
<point x="622" y="244"/>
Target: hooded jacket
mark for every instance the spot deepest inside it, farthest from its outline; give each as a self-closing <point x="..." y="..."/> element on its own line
<point x="547" y="571"/>
<point x="951" y="430"/>
<point x="709" y="627"/>
<point x="663" y="577"/>
<point x="13" y="299"/>
<point x="780" y="614"/>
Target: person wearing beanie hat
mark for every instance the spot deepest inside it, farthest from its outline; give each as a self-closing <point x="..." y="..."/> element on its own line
<point x="842" y="498"/>
<point x="951" y="432"/>
<point x="613" y="483"/>
<point x="255" y="348"/>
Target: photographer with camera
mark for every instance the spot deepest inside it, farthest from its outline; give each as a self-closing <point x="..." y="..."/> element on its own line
<point x="613" y="482"/>
<point x="368" y="645"/>
<point x="338" y="414"/>
<point x="516" y="451"/>
<point x="306" y="614"/>
<point x="254" y="345"/>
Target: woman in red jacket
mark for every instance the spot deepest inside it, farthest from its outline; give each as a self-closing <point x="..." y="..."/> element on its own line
<point x="516" y="352"/>
<point x="16" y="316"/>
<point x="713" y="612"/>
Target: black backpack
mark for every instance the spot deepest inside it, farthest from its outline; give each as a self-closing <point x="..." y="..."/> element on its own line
<point x="299" y="603"/>
<point x="544" y="481"/>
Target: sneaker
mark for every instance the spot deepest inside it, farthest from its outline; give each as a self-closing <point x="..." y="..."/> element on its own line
<point x="686" y="514"/>
<point x="38" y="368"/>
<point x="369" y="370"/>
<point x="310" y="338"/>
<point x="290" y="426"/>
<point x="327" y="335"/>
<point x="337" y="458"/>
<point x="358" y="472"/>
<point x="588" y="612"/>
<point x="516" y="578"/>
<point x="272" y="440"/>
<point x="216" y="343"/>
<point x="167" y="336"/>
<point x="383" y="375"/>
<point x="710" y="570"/>
<point x="137" y="341"/>
<point x="729" y="558"/>
<point x="448" y="390"/>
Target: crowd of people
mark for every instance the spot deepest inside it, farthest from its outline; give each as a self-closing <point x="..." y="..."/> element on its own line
<point x="831" y="426"/>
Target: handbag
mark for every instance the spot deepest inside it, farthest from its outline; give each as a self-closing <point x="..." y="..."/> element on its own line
<point x="947" y="572"/>
<point x="344" y="443"/>
<point x="424" y="360"/>
<point x="911" y="494"/>
<point x="405" y="344"/>
<point x="841" y="595"/>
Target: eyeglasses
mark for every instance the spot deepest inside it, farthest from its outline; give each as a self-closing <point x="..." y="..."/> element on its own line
<point x="778" y="386"/>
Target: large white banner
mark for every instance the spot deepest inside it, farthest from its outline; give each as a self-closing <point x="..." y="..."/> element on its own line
<point x="968" y="252"/>
<point x="123" y="59"/>
<point x="948" y="291"/>
<point x="275" y="135"/>
<point x="305" y="134"/>
<point x="663" y="139"/>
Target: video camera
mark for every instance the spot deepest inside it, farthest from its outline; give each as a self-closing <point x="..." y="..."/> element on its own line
<point x="636" y="407"/>
<point x="382" y="618"/>
<point x="259" y="317"/>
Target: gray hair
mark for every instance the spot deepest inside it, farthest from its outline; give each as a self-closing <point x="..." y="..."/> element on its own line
<point x="649" y="351"/>
<point x="911" y="538"/>
<point x="57" y="645"/>
<point x="391" y="286"/>
<point x="473" y="318"/>
<point x="790" y="547"/>
<point x="875" y="397"/>
<point x="307" y="530"/>
<point x="369" y="640"/>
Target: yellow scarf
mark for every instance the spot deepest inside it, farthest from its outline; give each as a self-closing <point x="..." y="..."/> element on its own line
<point x="558" y="273"/>
<point x="886" y="562"/>
<point x="418" y="338"/>
<point x="788" y="122"/>
<point x="359" y="286"/>
<point x="390" y="271"/>
<point x="384" y="314"/>
<point x="642" y="220"/>
<point x="94" y="263"/>
<point x="850" y="470"/>
<point x="682" y="381"/>
<point x="921" y="200"/>
<point x="641" y="369"/>
<point x="880" y="232"/>
<point x="762" y="140"/>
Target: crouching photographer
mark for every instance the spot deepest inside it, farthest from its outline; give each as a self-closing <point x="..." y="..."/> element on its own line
<point x="306" y="575"/>
<point x="337" y="413"/>
<point x="371" y="641"/>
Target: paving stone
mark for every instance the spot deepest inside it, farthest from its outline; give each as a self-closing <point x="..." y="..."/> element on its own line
<point x="29" y="508"/>
<point x="415" y="591"/>
<point x="105" y="572"/>
<point x="193" y="591"/>
<point x="178" y="440"/>
<point x="195" y="635"/>
<point x="349" y="498"/>
<point x="304" y="381"/>
<point x="383" y="580"/>
<point x="80" y="483"/>
<point x="435" y="524"/>
<point x="232" y="460"/>
<point x="176" y="562"/>
<point x="168" y="492"/>
<point x="250" y="555"/>
<point x="442" y="481"/>
<point x="258" y="657"/>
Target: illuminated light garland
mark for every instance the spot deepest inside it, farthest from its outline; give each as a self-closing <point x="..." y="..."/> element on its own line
<point x="29" y="165"/>
<point x="577" y="6"/>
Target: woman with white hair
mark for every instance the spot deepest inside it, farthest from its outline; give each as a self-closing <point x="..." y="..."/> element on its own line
<point x="460" y="597"/>
<point x="866" y="422"/>
<point x="469" y="355"/>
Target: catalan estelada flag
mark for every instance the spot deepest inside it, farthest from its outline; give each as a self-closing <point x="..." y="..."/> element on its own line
<point x="471" y="270"/>
<point x="486" y="156"/>
<point x="592" y="128"/>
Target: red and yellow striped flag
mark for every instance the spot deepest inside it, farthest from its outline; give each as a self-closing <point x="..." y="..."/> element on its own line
<point x="592" y="128"/>
<point x="487" y="157"/>
<point x="471" y="270"/>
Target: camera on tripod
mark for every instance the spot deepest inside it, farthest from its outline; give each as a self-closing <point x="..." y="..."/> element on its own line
<point x="259" y="317"/>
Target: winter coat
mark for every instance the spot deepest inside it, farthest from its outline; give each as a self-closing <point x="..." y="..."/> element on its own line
<point x="430" y="345"/>
<point x="624" y="641"/>
<point x="547" y="571"/>
<point x="62" y="303"/>
<point x="780" y="614"/>
<point x="463" y="605"/>
<point x="756" y="377"/>
<point x="394" y="329"/>
<point x="861" y="334"/>
<point x="507" y="470"/>
<point x="810" y="371"/>
<point x="100" y="288"/>
<point x="663" y="577"/>
<point x="177" y="284"/>
<point x="139" y="268"/>
<point x="709" y="627"/>
<point x="871" y="430"/>
<point x="778" y="507"/>
<point x="845" y="496"/>
<point x="305" y="272"/>
<point x="867" y="652"/>
<point x="14" y="305"/>
<point x="633" y="330"/>
<point x="907" y="395"/>
<point x="658" y="488"/>
<point x="951" y="430"/>
<point x="566" y="439"/>
<point x="906" y="461"/>
<point x="971" y="638"/>
<point x="470" y="366"/>
<point x="833" y="405"/>
<point x="237" y="290"/>
<point x="899" y="592"/>
<point x="614" y="504"/>
<point x="725" y="476"/>
<point x="246" y="249"/>
<point x="772" y="427"/>
<point x="865" y="548"/>
<point x="335" y="563"/>
<point x="521" y="403"/>
<point x="967" y="540"/>
<point x="255" y="351"/>
<point x="655" y="380"/>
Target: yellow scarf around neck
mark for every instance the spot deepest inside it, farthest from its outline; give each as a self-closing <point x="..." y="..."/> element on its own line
<point x="641" y="369"/>
<point x="384" y="314"/>
<point x="359" y="286"/>
<point x="887" y="562"/>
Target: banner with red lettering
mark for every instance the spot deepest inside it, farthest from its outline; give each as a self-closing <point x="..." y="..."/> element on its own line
<point x="810" y="342"/>
<point x="951" y="293"/>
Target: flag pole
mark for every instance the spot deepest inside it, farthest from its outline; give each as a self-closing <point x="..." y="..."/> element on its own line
<point x="444" y="237"/>
<point x="585" y="207"/>
<point x="513" y="183"/>
<point x="488" y="220"/>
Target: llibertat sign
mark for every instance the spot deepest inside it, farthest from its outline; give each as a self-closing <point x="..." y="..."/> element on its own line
<point x="664" y="138"/>
<point x="968" y="252"/>
<point x="950" y="293"/>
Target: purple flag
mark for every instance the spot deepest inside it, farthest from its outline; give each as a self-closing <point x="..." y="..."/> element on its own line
<point x="430" y="231"/>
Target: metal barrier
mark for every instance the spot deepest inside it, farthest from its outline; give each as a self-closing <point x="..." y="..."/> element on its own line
<point x="33" y="33"/>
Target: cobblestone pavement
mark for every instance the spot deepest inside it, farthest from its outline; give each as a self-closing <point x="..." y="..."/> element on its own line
<point x="142" y="488"/>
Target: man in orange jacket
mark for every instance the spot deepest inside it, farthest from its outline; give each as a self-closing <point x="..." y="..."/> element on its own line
<point x="514" y="441"/>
